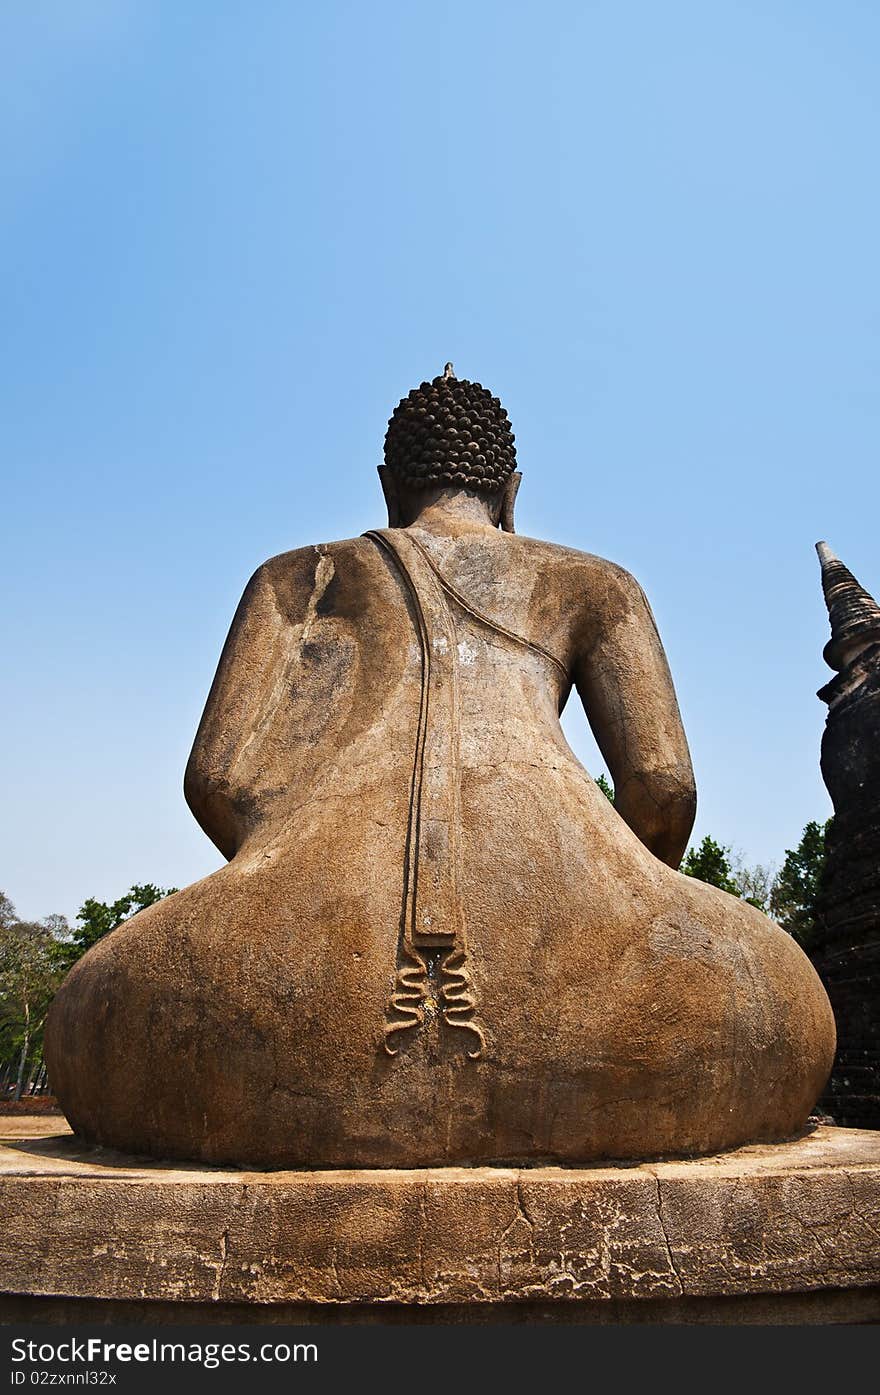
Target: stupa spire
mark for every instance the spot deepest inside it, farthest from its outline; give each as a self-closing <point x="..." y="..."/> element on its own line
<point x="854" y="614"/>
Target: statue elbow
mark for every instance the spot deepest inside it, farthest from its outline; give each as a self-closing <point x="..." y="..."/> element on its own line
<point x="660" y="807"/>
<point x="677" y="807"/>
<point x="212" y="807"/>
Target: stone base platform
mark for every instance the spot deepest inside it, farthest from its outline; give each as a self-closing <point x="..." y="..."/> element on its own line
<point x="788" y="1233"/>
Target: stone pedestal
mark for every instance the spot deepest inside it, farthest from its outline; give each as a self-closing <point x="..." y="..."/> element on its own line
<point x="789" y="1233"/>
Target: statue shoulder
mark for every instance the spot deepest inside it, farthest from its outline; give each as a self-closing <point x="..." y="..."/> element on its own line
<point x="593" y="594"/>
<point x="585" y="571"/>
<point x="302" y="567"/>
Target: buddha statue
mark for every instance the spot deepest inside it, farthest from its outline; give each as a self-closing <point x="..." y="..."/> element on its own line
<point x="436" y="941"/>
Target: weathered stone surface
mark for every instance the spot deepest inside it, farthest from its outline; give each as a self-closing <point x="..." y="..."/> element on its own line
<point x="436" y="941"/>
<point x="847" y="950"/>
<point x="790" y="1218"/>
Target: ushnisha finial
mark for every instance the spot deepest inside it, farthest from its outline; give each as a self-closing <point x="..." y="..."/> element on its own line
<point x="853" y="613"/>
<point x="448" y="371"/>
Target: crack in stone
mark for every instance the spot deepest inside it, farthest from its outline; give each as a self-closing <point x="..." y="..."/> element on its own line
<point x="521" y="1208"/>
<point x="669" y="1254"/>
<point x="520" y="1214"/>
<point x="221" y="1269"/>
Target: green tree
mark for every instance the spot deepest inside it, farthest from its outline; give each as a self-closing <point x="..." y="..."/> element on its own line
<point x="606" y="787"/>
<point x="710" y="862"/>
<point x="754" y="884"/>
<point x="7" y="911"/>
<point x="29" y="976"/>
<point x="793" y="900"/>
<point x="97" y="918"/>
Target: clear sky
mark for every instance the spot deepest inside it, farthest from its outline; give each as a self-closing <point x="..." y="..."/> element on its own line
<point x="233" y="235"/>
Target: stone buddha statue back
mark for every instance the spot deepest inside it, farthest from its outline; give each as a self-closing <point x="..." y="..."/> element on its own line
<point x="435" y="940"/>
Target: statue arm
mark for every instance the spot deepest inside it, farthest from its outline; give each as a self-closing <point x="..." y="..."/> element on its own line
<point x="223" y="766"/>
<point x="626" y="688"/>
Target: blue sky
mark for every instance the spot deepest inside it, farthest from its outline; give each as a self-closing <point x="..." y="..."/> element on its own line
<point x="234" y="235"/>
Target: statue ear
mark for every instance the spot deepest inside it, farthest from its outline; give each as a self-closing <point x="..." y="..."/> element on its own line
<point x="389" y="489"/>
<point x="508" y="499"/>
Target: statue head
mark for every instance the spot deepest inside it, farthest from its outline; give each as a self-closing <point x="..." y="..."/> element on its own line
<point x="451" y="435"/>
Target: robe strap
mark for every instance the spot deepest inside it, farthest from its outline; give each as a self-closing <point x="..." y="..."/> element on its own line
<point x="432" y="911"/>
<point x="484" y="619"/>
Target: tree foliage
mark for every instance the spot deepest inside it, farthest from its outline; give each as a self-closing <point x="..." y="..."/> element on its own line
<point x="97" y="918"/>
<point x="606" y="787"/>
<point x="754" y="884"/>
<point x="711" y="863"/>
<point x="795" y="894"/>
<point x="34" y="958"/>
<point x="790" y="896"/>
<point x="29" y="977"/>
